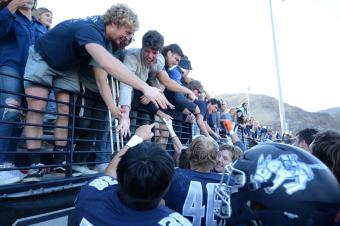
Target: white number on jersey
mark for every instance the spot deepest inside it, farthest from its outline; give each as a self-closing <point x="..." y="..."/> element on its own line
<point x="175" y="219"/>
<point x="193" y="205"/>
<point x="102" y="182"/>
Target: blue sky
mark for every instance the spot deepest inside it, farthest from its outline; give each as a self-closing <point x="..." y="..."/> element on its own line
<point x="230" y="43"/>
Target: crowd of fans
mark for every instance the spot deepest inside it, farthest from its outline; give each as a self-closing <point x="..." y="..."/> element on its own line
<point x="41" y="69"/>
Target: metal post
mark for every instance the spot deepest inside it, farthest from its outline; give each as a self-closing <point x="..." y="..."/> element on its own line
<point x="248" y="100"/>
<point x="281" y="104"/>
<point x="115" y="103"/>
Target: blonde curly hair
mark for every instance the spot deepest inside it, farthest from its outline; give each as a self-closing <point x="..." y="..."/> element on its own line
<point x="121" y="15"/>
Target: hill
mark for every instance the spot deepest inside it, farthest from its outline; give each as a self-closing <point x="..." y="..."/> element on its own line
<point x="335" y="112"/>
<point x="265" y="109"/>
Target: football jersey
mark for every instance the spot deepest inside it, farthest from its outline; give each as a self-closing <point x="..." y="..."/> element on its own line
<point x="192" y="194"/>
<point x="98" y="204"/>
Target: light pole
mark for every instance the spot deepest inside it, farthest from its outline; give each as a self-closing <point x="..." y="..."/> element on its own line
<point x="248" y="100"/>
<point x="281" y="104"/>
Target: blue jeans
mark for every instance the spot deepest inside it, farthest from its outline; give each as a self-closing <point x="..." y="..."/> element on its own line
<point x="9" y="115"/>
<point x="51" y="107"/>
<point x="105" y="145"/>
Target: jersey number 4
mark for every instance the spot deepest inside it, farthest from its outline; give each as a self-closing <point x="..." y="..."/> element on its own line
<point x="194" y="207"/>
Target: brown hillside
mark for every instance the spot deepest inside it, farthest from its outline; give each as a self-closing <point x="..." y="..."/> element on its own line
<point x="265" y="109"/>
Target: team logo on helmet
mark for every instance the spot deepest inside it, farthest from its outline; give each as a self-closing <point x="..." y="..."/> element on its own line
<point x="290" y="172"/>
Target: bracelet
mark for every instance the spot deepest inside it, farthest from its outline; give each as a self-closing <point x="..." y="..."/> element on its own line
<point x="135" y="139"/>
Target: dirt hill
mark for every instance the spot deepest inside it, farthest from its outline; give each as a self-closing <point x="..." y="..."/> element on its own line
<point x="265" y="109"/>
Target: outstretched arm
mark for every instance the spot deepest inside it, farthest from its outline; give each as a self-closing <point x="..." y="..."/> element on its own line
<point x="142" y="133"/>
<point x="106" y="94"/>
<point x="115" y="68"/>
<point x="172" y="85"/>
<point x="175" y="140"/>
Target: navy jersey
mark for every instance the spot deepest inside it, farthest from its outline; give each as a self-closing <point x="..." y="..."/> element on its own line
<point x="63" y="47"/>
<point x="192" y="194"/>
<point x="98" y="204"/>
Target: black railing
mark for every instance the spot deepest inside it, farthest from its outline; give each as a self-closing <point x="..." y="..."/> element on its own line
<point x="67" y="179"/>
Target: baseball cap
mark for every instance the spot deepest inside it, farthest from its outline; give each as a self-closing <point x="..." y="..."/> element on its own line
<point x="185" y="63"/>
<point x="195" y="84"/>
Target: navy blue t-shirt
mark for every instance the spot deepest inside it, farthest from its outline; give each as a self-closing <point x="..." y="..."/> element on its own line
<point x="175" y="74"/>
<point x="98" y="204"/>
<point x="17" y="34"/>
<point x="203" y="106"/>
<point x="192" y="194"/>
<point x="63" y="47"/>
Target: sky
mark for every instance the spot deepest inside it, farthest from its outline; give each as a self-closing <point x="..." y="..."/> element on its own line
<point x="230" y="43"/>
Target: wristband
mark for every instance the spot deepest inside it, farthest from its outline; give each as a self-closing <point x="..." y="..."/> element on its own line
<point x="135" y="139"/>
<point x="170" y="128"/>
<point x="231" y="132"/>
<point x="172" y="132"/>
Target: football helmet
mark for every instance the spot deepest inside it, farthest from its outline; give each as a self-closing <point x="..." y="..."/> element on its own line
<point x="284" y="185"/>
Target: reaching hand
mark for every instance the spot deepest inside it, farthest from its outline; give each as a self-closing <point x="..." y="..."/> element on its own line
<point x="124" y="124"/>
<point x="116" y="112"/>
<point x="156" y="96"/>
<point x="190" y="118"/>
<point x="163" y="115"/>
<point x="144" y="100"/>
<point x="145" y="132"/>
<point x="192" y="96"/>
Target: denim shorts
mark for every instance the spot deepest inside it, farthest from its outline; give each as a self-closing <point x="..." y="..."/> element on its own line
<point x="38" y="72"/>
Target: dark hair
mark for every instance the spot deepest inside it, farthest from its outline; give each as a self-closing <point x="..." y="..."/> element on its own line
<point x="307" y="135"/>
<point x="144" y="174"/>
<point x="174" y="48"/>
<point x="153" y="40"/>
<point x="214" y="101"/>
<point x="326" y="147"/>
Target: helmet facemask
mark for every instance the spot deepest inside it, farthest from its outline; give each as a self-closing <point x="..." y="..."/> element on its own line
<point x="232" y="179"/>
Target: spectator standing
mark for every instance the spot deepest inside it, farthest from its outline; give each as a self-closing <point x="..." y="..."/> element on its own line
<point x="45" y="17"/>
<point x="58" y="55"/>
<point x="18" y="30"/>
<point x="148" y="64"/>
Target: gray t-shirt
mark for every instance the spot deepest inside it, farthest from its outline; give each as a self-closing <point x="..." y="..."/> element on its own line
<point x="133" y="60"/>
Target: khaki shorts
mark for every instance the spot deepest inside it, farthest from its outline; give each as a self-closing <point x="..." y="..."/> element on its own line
<point x="38" y="73"/>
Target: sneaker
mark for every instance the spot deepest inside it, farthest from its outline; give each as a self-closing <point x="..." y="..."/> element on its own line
<point x="84" y="170"/>
<point x="11" y="176"/>
<point x="34" y="175"/>
<point x="60" y="169"/>
<point x="101" y="167"/>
